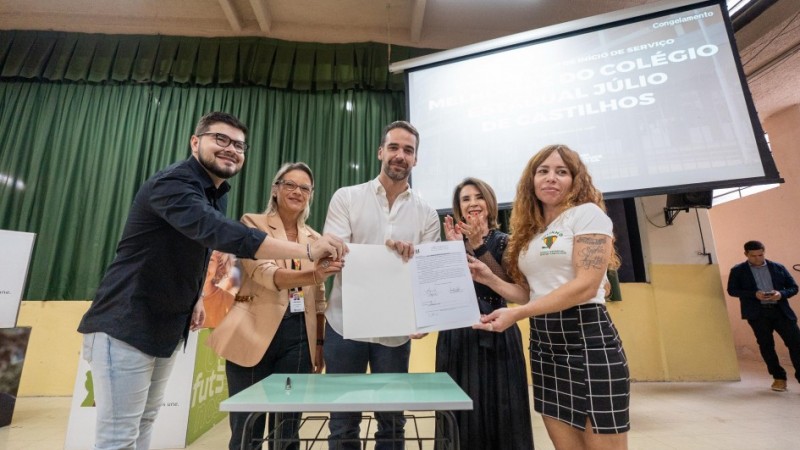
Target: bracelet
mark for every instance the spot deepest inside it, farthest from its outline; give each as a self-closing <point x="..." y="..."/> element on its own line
<point x="314" y="274"/>
<point x="479" y="250"/>
<point x="320" y="341"/>
<point x="308" y="252"/>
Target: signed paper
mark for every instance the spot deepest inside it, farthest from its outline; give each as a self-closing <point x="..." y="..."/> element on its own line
<point x="383" y="296"/>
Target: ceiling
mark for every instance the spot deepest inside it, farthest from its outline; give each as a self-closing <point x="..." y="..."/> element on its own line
<point x="769" y="45"/>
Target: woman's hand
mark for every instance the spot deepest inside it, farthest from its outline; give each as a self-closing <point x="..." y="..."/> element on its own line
<point x="326" y="267"/>
<point x="198" y="316"/>
<point x="452" y="232"/>
<point x="498" y="321"/>
<point x="319" y="360"/>
<point x="475" y="228"/>
<point x="479" y="271"/>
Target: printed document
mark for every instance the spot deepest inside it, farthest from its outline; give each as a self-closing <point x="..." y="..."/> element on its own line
<point x="383" y="296"/>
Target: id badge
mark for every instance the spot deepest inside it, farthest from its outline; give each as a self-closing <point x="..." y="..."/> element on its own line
<point x="296" y="302"/>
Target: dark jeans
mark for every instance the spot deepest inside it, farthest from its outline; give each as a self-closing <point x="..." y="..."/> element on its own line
<point x="348" y="356"/>
<point x="773" y="319"/>
<point x="288" y="353"/>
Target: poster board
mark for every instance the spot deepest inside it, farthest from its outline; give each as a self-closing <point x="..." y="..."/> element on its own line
<point x="191" y="400"/>
<point x="13" y="346"/>
<point x="14" y="260"/>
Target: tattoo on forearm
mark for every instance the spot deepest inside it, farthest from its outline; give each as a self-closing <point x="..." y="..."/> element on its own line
<point x="593" y="255"/>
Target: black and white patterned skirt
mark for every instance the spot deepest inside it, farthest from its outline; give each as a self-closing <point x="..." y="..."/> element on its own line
<point x="580" y="370"/>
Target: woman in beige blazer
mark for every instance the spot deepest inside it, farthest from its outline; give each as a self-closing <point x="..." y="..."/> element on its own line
<point x="276" y="324"/>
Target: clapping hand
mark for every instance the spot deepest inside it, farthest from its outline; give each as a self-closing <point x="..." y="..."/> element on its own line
<point x="475" y="228"/>
<point x="452" y="231"/>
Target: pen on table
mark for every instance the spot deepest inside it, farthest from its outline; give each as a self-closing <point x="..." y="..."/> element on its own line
<point x="288" y="384"/>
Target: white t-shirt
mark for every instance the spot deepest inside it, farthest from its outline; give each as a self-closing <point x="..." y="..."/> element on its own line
<point x="547" y="262"/>
<point x="360" y="214"/>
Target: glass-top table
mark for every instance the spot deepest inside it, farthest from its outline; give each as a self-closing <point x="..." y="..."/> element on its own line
<point x="322" y="393"/>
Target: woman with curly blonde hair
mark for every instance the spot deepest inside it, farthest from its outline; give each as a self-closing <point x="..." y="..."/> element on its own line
<point x="560" y="249"/>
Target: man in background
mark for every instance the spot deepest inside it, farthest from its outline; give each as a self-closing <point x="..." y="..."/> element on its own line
<point x="150" y="298"/>
<point x="382" y="211"/>
<point x="763" y="288"/>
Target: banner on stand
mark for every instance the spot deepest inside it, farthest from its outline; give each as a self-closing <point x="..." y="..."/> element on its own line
<point x="191" y="400"/>
<point x="14" y="260"/>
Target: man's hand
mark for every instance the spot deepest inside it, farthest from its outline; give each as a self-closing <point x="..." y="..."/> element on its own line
<point x="403" y="248"/>
<point x="328" y="245"/>
<point x="772" y="296"/>
<point x="198" y="316"/>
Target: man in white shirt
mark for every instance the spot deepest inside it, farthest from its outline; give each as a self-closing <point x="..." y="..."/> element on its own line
<point x="382" y="211"/>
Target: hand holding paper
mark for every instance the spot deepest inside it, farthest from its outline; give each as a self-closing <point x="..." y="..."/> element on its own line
<point x="384" y="296"/>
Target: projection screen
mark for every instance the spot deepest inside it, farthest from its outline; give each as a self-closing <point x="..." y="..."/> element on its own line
<point x="653" y="98"/>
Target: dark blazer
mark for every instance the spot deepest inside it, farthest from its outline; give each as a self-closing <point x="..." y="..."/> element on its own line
<point x="742" y="284"/>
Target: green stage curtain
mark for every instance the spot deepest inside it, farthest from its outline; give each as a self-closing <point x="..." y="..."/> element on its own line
<point x="73" y="155"/>
<point x="237" y="61"/>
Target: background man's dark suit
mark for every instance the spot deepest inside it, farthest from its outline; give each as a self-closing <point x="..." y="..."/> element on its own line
<point x="764" y="318"/>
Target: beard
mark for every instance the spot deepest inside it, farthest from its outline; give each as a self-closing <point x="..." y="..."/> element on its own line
<point x="209" y="161"/>
<point x="396" y="173"/>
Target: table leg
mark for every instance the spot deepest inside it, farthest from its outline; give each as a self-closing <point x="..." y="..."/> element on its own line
<point x="450" y="426"/>
<point x="247" y="432"/>
<point x="277" y="433"/>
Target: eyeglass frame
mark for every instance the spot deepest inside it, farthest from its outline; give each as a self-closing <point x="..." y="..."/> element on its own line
<point x="242" y="151"/>
<point x="291" y="186"/>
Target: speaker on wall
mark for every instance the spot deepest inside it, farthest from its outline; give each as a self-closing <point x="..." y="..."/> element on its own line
<point x="700" y="199"/>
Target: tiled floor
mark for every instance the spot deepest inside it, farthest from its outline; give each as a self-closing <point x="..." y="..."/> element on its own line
<point x="675" y="416"/>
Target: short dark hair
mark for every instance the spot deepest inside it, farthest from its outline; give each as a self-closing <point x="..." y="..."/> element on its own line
<point x="400" y="124"/>
<point x="753" y="245"/>
<point x="211" y="118"/>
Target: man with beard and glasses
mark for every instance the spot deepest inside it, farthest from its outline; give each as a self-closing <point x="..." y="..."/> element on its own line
<point x="150" y="298"/>
<point x="382" y="211"/>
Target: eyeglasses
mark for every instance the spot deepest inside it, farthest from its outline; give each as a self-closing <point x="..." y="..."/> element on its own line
<point x="291" y="186"/>
<point x="223" y="140"/>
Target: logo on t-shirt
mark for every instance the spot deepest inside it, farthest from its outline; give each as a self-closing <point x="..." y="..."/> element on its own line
<point x="548" y="241"/>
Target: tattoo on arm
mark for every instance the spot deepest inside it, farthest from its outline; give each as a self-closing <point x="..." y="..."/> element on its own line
<point x="593" y="255"/>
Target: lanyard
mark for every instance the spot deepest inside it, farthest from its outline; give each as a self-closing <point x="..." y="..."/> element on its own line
<point x="295" y="265"/>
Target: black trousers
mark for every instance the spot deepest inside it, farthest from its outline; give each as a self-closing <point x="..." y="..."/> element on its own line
<point x="772" y="320"/>
<point x="287" y="353"/>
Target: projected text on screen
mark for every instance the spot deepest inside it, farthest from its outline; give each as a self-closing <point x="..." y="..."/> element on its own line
<point x="650" y="104"/>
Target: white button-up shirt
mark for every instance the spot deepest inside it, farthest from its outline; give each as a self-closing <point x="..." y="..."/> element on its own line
<point x="360" y="214"/>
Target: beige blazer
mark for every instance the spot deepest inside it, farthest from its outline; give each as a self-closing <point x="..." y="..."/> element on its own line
<point x="247" y="330"/>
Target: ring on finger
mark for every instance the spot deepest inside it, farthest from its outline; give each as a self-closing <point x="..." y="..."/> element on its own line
<point x="325" y="264"/>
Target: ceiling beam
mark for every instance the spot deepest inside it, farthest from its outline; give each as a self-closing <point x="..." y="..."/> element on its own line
<point x="417" y="18"/>
<point x="231" y="15"/>
<point x="262" y="14"/>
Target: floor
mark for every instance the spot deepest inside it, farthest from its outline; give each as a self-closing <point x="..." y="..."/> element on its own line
<point x="685" y="416"/>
